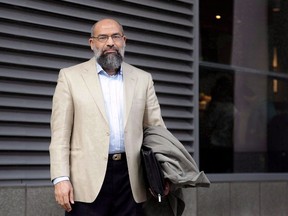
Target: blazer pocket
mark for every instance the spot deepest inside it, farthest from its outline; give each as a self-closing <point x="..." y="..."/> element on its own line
<point x="137" y="109"/>
<point x="138" y="104"/>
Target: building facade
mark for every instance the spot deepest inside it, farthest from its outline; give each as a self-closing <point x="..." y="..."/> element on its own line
<point x="188" y="50"/>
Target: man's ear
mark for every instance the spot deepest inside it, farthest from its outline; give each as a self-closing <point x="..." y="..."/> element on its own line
<point x="125" y="39"/>
<point x="91" y="43"/>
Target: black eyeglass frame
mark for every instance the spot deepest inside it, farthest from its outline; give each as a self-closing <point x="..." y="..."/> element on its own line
<point x="104" y="38"/>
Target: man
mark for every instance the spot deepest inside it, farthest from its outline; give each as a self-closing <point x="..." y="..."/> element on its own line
<point x="100" y="108"/>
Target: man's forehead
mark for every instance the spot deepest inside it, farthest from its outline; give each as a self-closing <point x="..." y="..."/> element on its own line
<point x="107" y="26"/>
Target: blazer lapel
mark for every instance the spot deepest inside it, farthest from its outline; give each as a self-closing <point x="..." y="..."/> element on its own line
<point x="91" y="79"/>
<point x="129" y="88"/>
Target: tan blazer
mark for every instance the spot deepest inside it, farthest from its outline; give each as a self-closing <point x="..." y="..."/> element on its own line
<point x="80" y="128"/>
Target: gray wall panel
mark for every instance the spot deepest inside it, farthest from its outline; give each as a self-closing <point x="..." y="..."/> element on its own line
<point x="37" y="38"/>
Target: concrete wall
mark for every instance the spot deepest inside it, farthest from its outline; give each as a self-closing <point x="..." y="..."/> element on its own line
<point x="238" y="199"/>
<point x="231" y="199"/>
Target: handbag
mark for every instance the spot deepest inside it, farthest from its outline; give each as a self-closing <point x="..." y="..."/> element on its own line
<point x="153" y="173"/>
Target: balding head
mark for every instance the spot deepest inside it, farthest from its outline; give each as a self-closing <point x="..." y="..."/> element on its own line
<point x="105" y="23"/>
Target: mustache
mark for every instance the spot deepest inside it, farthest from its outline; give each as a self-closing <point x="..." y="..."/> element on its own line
<point x="105" y="52"/>
<point x="111" y="49"/>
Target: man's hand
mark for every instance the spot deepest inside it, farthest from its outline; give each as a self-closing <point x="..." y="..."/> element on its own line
<point x="64" y="194"/>
<point x="167" y="187"/>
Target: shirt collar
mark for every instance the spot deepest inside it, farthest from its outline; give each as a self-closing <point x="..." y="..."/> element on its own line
<point x="101" y="70"/>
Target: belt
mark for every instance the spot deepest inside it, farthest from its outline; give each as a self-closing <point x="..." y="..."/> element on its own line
<point x="117" y="156"/>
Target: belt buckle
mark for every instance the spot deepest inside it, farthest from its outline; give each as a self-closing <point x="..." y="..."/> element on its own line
<point x="116" y="157"/>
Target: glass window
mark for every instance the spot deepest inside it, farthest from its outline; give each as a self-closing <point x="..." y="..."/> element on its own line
<point x="246" y="33"/>
<point x="243" y="81"/>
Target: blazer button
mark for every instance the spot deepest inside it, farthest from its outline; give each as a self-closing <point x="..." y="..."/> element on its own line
<point x="107" y="133"/>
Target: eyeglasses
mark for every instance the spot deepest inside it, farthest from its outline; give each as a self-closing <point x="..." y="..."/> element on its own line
<point x="104" y="38"/>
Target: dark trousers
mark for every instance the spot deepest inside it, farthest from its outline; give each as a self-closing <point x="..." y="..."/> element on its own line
<point x="115" y="197"/>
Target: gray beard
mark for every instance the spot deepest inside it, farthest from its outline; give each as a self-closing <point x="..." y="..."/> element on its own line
<point x="110" y="61"/>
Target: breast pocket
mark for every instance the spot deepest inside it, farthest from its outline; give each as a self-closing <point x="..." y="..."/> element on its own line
<point x="137" y="110"/>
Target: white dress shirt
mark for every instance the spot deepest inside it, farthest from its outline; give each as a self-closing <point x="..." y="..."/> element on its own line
<point x="112" y="88"/>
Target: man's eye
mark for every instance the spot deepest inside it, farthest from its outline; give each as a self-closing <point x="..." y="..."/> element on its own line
<point x="102" y="37"/>
<point x="116" y="36"/>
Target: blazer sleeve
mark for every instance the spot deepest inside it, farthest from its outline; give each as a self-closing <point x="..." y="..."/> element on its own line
<point x="61" y="128"/>
<point x="152" y="115"/>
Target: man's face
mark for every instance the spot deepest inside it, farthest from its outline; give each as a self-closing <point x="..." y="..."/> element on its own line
<point x="108" y="44"/>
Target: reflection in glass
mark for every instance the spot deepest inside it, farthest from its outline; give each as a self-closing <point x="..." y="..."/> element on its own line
<point x="243" y="124"/>
<point x="243" y="86"/>
<point x="248" y="33"/>
<point x="217" y="127"/>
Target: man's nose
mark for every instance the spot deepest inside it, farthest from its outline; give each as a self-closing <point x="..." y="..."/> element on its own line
<point x="110" y="41"/>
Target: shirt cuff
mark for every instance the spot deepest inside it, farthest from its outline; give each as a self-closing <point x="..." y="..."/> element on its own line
<point x="60" y="179"/>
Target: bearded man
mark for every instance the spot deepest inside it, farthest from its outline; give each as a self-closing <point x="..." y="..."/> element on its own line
<point x="100" y="108"/>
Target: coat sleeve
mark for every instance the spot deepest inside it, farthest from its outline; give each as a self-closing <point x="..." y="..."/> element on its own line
<point x="61" y="128"/>
<point x="152" y="115"/>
